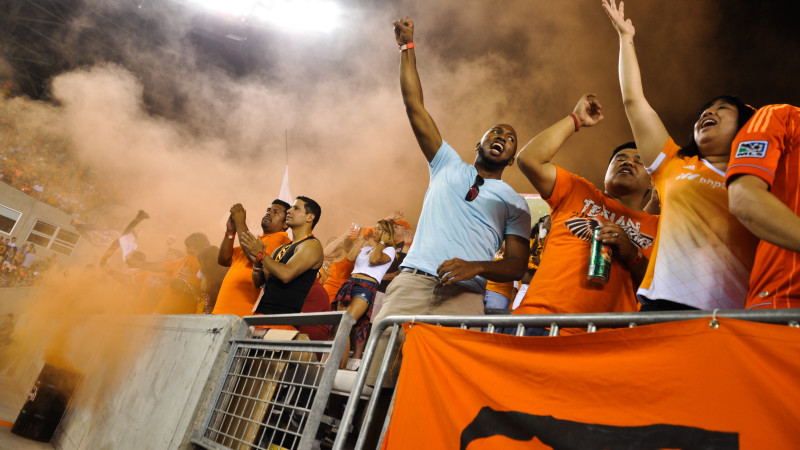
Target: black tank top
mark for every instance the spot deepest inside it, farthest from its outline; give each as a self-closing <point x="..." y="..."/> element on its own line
<point x="287" y="298"/>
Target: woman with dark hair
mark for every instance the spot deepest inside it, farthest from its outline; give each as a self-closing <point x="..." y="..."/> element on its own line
<point x="703" y="255"/>
<point x="357" y="295"/>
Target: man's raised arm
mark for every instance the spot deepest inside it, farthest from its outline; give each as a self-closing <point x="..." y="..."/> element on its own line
<point x="534" y="159"/>
<point x="422" y="123"/>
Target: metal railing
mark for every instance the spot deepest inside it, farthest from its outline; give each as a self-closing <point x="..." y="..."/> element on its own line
<point x="589" y="322"/>
<point x="272" y="393"/>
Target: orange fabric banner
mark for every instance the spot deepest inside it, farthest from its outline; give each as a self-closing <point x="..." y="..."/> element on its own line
<point x="674" y="385"/>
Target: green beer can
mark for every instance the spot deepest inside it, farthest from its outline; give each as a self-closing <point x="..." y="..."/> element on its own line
<point x="599" y="261"/>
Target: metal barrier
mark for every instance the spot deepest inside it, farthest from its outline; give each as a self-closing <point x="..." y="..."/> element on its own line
<point x="590" y="322"/>
<point x="273" y="392"/>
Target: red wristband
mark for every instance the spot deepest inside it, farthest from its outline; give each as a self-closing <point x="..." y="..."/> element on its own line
<point x="575" y="119"/>
<point x="230" y="236"/>
<point x="261" y="255"/>
<point x="406" y="46"/>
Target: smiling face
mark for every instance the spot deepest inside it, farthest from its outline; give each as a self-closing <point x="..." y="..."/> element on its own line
<point x="715" y="129"/>
<point x="497" y="147"/>
<point x="626" y="171"/>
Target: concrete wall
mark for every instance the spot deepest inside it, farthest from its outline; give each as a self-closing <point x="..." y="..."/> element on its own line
<point x="157" y="405"/>
<point x="32" y="210"/>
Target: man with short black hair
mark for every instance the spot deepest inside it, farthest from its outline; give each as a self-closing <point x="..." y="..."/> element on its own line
<point x="287" y="276"/>
<point x="467" y="213"/>
<point x="577" y="209"/>
<point x="238" y="295"/>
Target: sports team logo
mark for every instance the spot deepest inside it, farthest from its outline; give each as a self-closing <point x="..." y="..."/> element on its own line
<point x="751" y="149"/>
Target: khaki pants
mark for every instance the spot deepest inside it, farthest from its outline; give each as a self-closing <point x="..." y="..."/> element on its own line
<point x="415" y="294"/>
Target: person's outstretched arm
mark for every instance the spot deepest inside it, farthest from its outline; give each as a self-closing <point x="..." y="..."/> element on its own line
<point x="422" y="123"/>
<point x="648" y="129"/>
<point x="534" y="159"/>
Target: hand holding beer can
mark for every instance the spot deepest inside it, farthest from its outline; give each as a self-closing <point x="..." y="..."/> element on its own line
<point x="599" y="261"/>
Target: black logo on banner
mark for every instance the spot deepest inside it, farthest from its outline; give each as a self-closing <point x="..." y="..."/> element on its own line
<point x="565" y="434"/>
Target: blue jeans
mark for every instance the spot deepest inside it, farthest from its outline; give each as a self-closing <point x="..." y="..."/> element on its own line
<point x="495" y="300"/>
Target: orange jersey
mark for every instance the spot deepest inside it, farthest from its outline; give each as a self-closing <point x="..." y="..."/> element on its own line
<point x="703" y="255"/>
<point x="237" y="294"/>
<point x="768" y="147"/>
<point x="560" y="284"/>
<point x="182" y="290"/>
<point x="339" y="272"/>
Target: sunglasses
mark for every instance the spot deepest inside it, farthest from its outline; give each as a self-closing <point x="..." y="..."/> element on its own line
<point x="475" y="189"/>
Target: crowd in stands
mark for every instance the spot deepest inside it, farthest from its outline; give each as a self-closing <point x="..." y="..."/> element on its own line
<point x="46" y="170"/>
<point x="20" y="265"/>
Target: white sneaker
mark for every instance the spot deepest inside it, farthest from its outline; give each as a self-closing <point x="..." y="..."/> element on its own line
<point x="353" y="364"/>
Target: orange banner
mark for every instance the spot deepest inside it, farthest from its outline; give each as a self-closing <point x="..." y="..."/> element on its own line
<point x="674" y="385"/>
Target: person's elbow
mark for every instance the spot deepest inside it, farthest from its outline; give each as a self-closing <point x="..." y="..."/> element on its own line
<point x="740" y="203"/>
<point x="517" y="268"/>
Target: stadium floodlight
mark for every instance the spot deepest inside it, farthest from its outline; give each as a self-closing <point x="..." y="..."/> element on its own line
<point x="236" y="8"/>
<point x="299" y="15"/>
<point x="290" y="15"/>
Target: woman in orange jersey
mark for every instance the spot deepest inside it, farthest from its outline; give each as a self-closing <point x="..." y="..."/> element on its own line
<point x="371" y="258"/>
<point x="703" y="255"/>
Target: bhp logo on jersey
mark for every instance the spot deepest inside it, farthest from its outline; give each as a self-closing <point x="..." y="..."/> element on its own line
<point x="687" y="176"/>
<point x="751" y="149"/>
<point x="702" y="180"/>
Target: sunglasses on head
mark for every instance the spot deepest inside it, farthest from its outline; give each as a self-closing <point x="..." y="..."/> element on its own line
<point x="475" y="189"/>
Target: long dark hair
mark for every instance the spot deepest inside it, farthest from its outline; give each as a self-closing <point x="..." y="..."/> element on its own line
<point x="745" y="113"/>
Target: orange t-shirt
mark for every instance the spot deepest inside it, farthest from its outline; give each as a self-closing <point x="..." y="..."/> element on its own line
<point x="560" y="284"/>
<point x="238" y="295"/>
<point x="181" y="300"/>
<point x="339" y="272"/>
<point x="768" y="147"/>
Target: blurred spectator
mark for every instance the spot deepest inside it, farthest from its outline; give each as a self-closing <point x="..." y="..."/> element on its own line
<point x="213" y="274"/>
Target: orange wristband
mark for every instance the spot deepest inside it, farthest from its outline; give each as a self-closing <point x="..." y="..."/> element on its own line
<point x="406" y="46"/>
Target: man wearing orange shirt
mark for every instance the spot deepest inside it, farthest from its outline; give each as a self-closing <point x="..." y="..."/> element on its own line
<point x="764" y="194"/>
<point x="182" y="293"/>
<point x="577" y="208"/>
<point x="238" y="295"/>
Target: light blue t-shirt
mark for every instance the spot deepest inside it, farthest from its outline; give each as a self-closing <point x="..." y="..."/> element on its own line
<point x="451" y="227"/>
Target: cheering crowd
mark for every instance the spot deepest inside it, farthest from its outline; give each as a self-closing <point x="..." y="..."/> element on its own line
<point x="710" y="225"/>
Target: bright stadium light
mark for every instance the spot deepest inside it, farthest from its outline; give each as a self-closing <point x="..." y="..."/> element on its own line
<point x="290" y="15"/>
<point x="238" y="8"/>
<point x="299" y="15"/>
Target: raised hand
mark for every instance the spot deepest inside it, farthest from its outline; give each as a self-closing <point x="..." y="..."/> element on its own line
<point x="617" y="16"/>
<point x="588" y="110"/>
<point x="251" y="245"/>
<point x="404" y="30"/>
<point x="238" y="214"/>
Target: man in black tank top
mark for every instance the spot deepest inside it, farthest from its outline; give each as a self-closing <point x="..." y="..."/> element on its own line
<point x="288" y="274"/>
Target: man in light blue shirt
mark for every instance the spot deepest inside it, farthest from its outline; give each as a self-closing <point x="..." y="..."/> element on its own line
<point x="467" y="214"/>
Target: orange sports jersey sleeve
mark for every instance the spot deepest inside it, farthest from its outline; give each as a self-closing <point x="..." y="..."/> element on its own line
<point x="768" y="147"/>
<point x="238" y="295"/>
